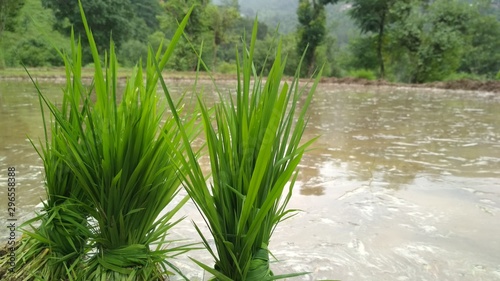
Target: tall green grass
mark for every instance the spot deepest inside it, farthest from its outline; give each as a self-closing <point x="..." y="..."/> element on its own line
<point x="254" y="144"/>
<point x="111" y="168"/>
<point x="363" y="74"/>
<point x="56" y="244"/>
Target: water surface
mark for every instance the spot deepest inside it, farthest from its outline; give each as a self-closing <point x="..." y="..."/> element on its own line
<point x="403" y="184"/>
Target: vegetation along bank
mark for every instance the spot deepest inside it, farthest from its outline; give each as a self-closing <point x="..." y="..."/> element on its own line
<point x="406" y="41"/>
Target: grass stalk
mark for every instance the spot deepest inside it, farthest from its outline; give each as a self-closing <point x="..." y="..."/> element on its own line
<point x="55" y="239"/>
<point x="254" y="144"/>
<point x="108" y="161"/>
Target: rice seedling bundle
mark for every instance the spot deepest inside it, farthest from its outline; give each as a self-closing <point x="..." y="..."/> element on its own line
<point x="57" y="241"/>
<point x="109" y="161"/>
<point x="254" y="144"/>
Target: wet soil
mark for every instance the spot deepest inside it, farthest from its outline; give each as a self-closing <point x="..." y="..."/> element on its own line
<point x="56" y="75"/>
<point x="470" y="85"/>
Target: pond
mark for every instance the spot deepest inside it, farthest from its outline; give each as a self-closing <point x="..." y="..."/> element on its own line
<point x="403" y="184"/>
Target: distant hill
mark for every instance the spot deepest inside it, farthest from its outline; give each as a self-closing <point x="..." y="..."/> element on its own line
<point x="284" y="13"/>
<point x="273" y="12"/>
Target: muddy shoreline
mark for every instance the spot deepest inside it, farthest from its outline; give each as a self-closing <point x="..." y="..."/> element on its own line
<point x="492" y="86"/>
<point x="468" y="85"/>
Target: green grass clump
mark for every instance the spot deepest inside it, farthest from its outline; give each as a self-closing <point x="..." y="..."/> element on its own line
<point x="363" y="74"/>
<point x="254" y="144"/>
<point x="464" y="76"/>
<point x="226" y="68"/>
<point x="58" y="243"/>
<point x="111" y="168"/>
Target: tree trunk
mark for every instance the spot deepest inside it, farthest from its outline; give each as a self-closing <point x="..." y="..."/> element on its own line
<point x="379" y="45"/>
<point x="214" y="61"/>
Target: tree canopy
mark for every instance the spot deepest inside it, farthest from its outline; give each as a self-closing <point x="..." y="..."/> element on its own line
<point x="373" y="16"/>
<point x="311" y="30"/>
<point x="105" y="17"/>
<point x="9" y="9"/>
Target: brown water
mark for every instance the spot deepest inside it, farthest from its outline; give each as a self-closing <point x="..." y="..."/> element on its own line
<point x="403" y="184"/>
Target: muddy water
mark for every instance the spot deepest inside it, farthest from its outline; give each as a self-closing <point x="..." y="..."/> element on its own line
<point x="403" y="184"/>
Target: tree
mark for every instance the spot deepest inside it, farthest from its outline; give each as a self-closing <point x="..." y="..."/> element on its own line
<point x="177" y="9"/>
<point x="375" y="16"/>
<point x="31" y="40"/>
<point x="221" y="19"/>
<point x="311" y="30"/>
<point x="363" y="54"/>
<point x="9" y="9"/>
<point x="372" y="16"/>
<point x="148" y="11"/>
<point x="105" y="18"/>
<point x="196" y="30"/>
<point x="433" y="39"/>
<point x="483" y="56"/>
<point x="444" y="39"/>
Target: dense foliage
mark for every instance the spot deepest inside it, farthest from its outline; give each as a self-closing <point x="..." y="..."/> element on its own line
<point x="404" y="40"/>
<point x="373" y="16"/>
<point x="312" y="30"/>
<point x="9" y="9"/>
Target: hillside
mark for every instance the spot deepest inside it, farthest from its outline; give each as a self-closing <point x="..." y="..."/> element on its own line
<point x="284" y="13"/>
<point x="273" y="12"/>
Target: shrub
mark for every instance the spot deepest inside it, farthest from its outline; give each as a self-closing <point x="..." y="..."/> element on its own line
<point x="227" y="68"/>
<point x="363" y="74"/>
<point x="35" y="53"/>
<point x="157" y="40"/>
<point x="132" y="51"/>
<point x="463" y="76"/>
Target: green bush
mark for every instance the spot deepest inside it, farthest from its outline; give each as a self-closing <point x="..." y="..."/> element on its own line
<point x="34" y="52"/>
<point x="183" y="58"/>
<point x="131" y="51"/>
<point x="2" y="61"/>
<point x="498" y="76"/>
<point x="463" y="76"/>
<point x="362" y="73"/>
<point x="227" y="68"/>
<point x="156" y="39"/>
<point x="363" y="54"/>
<point x="327" y="54"/>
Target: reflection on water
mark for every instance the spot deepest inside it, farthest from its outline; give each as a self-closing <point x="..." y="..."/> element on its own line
<point x="403" y="184"/>
<point x="402" y="134"/>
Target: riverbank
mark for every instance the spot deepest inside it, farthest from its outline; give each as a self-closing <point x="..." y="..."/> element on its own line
<point x="58" y="75"/>
<point x="469" y="85"/>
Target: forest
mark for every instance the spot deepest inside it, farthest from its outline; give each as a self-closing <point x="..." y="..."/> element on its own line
<point x="410" y="41"/>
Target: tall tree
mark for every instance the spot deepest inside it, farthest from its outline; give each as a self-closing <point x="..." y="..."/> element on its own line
<point x="177" y="9"/>
<point x="221" y="19"/>
<point x="311" y="30"/>
<point x="372" y="16"/>
<point x="434" y="38"/>
<point x="184" y="59"/>
<point x="9" y="9"/>
<point x="105" y="18"/>
<point x="483" y="56"/>
<point x="148" y="11"/>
